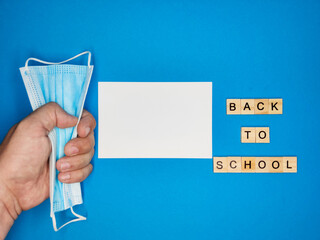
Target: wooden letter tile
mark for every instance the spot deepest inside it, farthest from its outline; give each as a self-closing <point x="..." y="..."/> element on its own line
<point x="290" y="164"/>
<point x="248" y="164"/>
<point x="247" y="106"/>
<point x="261" y="106"/>
<point x="248" y="135"/>
<point x="276" y="164"/>
<point x="262" y="135"/>
<point x="262" y="164"/>
<point x="220" y="164"/>
<point x="234" y="164"/>
<point x="233" y="106"/>
<point x="275" y="106"/>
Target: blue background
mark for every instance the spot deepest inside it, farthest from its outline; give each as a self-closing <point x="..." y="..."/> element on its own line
<point x="248" y="49"/>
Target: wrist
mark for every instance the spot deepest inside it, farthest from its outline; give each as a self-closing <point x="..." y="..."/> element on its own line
<point x="9" y="210"/>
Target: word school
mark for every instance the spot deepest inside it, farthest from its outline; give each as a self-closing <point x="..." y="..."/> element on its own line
<point x="255" y="164"/>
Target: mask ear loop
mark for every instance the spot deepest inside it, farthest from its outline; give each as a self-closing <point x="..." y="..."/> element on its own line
<point x="50" y="63"/>
<point x="52" y="138"/>
<point x="80" y="218"/>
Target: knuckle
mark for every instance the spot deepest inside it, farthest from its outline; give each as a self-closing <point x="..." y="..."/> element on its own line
<point x="26" y="125"/>
<point x="84" y="113"/>
<point x="93" y="121"/>
<point x="22" y="125"/>
<point x="80" y="162"/>
<point x="87" y="144"/>
<point x="92" y="140"/>
<point x="82" y="175"/>
<point x="52" y="105"/>
<point x="50" y="109"/>
<point x="83" y="161"/>
<point x="92" y="153"/>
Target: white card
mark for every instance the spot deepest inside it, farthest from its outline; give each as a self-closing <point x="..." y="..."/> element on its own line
<point x="155" y="120"/>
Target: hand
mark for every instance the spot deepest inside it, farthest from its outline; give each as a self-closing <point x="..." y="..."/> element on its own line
<point x="24" y="154"/>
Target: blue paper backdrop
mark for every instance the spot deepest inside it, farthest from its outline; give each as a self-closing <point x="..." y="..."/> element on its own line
<point x="248" y="49"/>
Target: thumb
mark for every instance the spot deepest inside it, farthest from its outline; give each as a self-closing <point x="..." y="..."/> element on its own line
<point x="52" y="115"/>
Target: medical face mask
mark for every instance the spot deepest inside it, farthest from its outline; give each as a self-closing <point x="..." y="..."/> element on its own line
<point x="66" y="85"/>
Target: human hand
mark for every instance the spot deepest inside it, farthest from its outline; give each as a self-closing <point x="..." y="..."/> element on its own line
<point x="24" y="165"/>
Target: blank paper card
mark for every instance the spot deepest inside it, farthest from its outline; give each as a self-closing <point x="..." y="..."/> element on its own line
<point x="155" y="120"/>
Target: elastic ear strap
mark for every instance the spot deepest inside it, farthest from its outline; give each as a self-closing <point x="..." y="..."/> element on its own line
<point x="79" y="218"/>
<point x="45" y="62"/>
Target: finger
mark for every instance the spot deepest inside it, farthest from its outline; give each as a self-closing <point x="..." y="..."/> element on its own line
<point x="67" y="164"/>
<point x="86" y="125"/>
<point x="49" y="116"/>
<point x="75" y="176"/>
<point x="79" y="145"/>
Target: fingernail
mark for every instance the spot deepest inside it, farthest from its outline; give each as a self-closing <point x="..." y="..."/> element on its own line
<point x="65" y="166"/>
<point x="74" y="150"/>
<point x="65" y="176"/>
<point x="87" y="129"/>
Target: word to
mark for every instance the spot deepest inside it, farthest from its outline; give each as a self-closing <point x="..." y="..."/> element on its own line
<point x="255" y="135"/>
<point x="255" y="164"/>
<point x="254" y="106"/>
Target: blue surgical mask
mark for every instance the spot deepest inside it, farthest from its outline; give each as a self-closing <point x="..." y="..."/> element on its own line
<point x="66" y="85"/>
